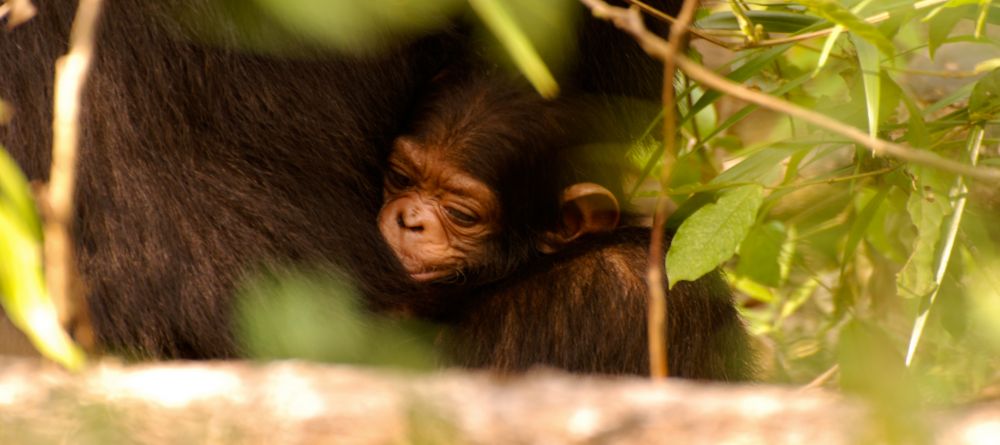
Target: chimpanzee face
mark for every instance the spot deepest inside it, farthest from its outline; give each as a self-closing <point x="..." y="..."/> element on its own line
<point x="438" y="219"/>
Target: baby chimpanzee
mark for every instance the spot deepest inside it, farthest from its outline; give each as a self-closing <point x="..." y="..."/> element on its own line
<point x="484" y="188"/>
<point x="482" y="184"/>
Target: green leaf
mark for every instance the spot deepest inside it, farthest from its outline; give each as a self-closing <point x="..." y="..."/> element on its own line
<point x="759" y="167"/>
<point x="984" y="103"/>
<point x="502" y="24"/>
<point x="15" y="194"/>
<point x="834" y="12"/>
<point x="761" y="254"/>
<point x="860" y="226"/>
<point x="916" y="133"/>
<point x="713" y="233"/>
<point x="956" y="96"/>
<point x="798" y="298"/>
<point x="317" y="316"/>
<point x="772" y="21"/>
<point x="987" y="65"/>
<point x="950" y="4"/>
<point x="939" y="26"/>
<point x="927" y="206"/>
<point x="868" y="58"/>
<point x="752" y="289"/>
<point x="22" y="285"/>
<point x="831" y="40"/>
<point x="824" y="55"/>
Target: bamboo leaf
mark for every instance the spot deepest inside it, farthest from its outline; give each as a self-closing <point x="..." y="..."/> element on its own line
<point x="713" y="233"/>
<point x="868" y="59"/>
<point x="987" y="65"/>
<point x="927" y="206"/>
<point x="824" y="55"/>
<point x="860" y="226"/>
<point x="916" y="133"/>
<point x="836" y="13"/>
<point x="518" y="45"/>
<point x="939" y="26"/>
<point x="772" y="21"/>
<point x="984" y="103"/>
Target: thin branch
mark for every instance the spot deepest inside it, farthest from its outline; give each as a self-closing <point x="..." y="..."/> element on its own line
<point x="821" y="380"/>
<point x="659" y="362"/>
<point x="930" y="73"/>
<point x="667" y="18"/>
<point x="657" y="47"/>
<point x="60" y="259"/>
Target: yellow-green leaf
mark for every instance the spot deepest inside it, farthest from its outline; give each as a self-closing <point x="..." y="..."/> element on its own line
<point x="868" y="59"/>
<point x="22" y="286"/>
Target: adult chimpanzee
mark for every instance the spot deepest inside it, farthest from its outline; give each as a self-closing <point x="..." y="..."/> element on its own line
<point x="200" y="162"/>
<point x="485" y="202"/>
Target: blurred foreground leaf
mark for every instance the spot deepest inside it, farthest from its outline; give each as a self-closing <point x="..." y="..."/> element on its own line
<point x="871" y="366"/>
<point x="359" y="25"/>
<point x="518" y="45"/>
<point x="22" y="285"/>
<point x="317" y="317"/>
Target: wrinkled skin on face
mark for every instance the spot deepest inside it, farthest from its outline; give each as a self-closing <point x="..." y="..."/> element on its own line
<point x="437" y="218"/>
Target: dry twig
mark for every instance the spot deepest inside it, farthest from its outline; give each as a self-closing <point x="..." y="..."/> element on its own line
<point x="60" y="259"/>
<point x="659" y="360"/>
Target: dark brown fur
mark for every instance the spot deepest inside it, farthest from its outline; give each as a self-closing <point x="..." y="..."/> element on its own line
<point x="198" y="163"/>
<point x="584" y="310"/>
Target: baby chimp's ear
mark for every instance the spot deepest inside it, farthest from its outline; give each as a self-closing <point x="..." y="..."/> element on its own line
<point x="586" y="208"/>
